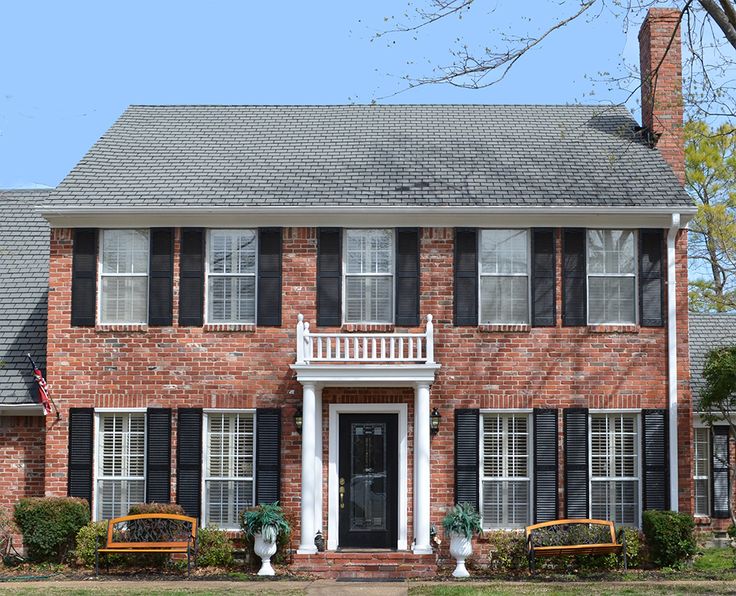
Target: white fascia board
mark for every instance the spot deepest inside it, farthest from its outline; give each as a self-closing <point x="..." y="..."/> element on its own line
<point x="365" y="375"/>
<point x="233" y="217"/>
<point x="21" y="410"/>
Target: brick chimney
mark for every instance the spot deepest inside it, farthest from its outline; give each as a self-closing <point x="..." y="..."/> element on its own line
<point x="661" y="84"/>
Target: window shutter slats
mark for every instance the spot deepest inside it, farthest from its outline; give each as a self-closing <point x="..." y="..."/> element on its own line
<point x="466" y="277"/>
<point x="329" y="277"/>
<point x="545" y="465"/>
<point x="269" y="277"/>
<point x="158" y="455"/>
<point x="651" y="278"/>
<point x="543" y="277"/>
<point x="84" y="277"/>
<point x="407" y="277"/>
<point x="467" y="456"/>
<point x="721" y="480"/>
<point x="189" y="460"/>
<point x="79" y="479"/>
<point x="161" y="273"/>
<point x="191" y="277"/>
<point x="654" y="451"/>
<point x="268" y="455"/>
<point x="575" y="430"/>
<point x="574" y="307"/>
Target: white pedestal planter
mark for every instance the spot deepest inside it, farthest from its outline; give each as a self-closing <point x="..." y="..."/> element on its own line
<point x="460" y="549"/>
<point x="265" y="550"/>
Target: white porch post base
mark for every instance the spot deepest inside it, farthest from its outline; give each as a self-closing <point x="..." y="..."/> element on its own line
<point x="306" y="539"/>
<point x="422" y="545"/>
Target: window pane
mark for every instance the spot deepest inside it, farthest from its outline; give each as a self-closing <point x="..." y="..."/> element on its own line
<point x="226" y="499"/>
<point x="124" y="300"/>
<point x="232" y="251"/>
<point x="503" y="251"/>
<point x="369" y="251"/>
<point x="368" y="299"/>
<point x="231" y="299"/>
<point x="611" y="300"/>
<point x="116" y="496"/>
<point x="701" y="472"/>
<point x="504" y="300"/>
<point x="124" y="251"/>
<point x="611" y="251"/>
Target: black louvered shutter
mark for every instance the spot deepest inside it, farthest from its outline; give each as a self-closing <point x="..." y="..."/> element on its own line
<point x="465" y="292"/>
<point x="407" y="277"/>
<point x="189" y="460"/>
<point x="574" y="301"/>
<point x="545" y="465"/>
<point x="655" y="448"/>
<point x="651" y="278"/>
<point x="721" y="481"/>
<point x="161" y="282"/>
<point x="191" y="278"/>
<point x="269" y="277"/>
<point x="467" y="437"/>
<point x="268" y="455"/>
<point x="329" y="277"/>
<point x="575" y="429"/>
<point x="84" y="277"/>
<point x="543" y="277"/>
<point x="158" y="455"/>
<point x="79" y="479"/>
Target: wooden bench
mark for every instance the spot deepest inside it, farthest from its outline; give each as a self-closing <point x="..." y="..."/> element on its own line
<point x="150" y="533"/>
<point x="559" y="550"/>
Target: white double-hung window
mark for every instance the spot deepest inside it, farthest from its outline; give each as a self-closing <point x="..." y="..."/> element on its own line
<point x="504" y="276"/>
<point x="505" y="483"/>
<point x="124" y="277"/>
<point x="121" y="462"/>
<point x="701" y="471"/>
<point x="229" y="474"/>
<point x="614" y="467"/>
<point x="611" y="277"/>
<point x="369" y="276"/>
<point x="231" y="276"/>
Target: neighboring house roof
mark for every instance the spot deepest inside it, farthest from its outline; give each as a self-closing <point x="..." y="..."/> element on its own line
<point x="707" y="331"/>
<point x="24" y="265"/>
<point x="386" y="155"/>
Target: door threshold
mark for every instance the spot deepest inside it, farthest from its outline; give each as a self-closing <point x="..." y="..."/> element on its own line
<point x="355" y="549"/>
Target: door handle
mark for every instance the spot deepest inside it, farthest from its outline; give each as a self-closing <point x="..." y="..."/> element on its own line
<point x="342" y="493"/>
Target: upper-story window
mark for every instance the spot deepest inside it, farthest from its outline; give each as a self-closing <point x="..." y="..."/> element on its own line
<point x="369" y="276"/>
<point x="504" y="276"/>
<point x="124" y="277"/>
<point x="231" y="276"/>
<point x="701" y="470"/>
<point x="611" y="277"/>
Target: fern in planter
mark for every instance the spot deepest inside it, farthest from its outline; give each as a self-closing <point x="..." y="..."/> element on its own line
<point x="267" y="519"/>
<point x="462" y="519"/>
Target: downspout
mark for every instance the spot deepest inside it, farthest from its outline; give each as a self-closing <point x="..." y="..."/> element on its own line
<point x="672" y="359"/>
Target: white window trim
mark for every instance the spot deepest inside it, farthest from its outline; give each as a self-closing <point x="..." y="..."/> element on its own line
<point x="345" y="275"/>
<point x="96" y="449"/>
<point x="635" y="275"/>
<point x="528" y="412"/>
<point x="100" y="275"/>
<point x="207" y="274"/>
<point x="639" y="464"/>
<point x="528" y="276"/>
<point x="205" y="458"/>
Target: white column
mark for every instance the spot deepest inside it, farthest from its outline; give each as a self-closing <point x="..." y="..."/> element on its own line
<point x="306" y="541"/>
<point x="318" y="460"/>
<point x="421" y="471"/>
<point x="672" y="359"/>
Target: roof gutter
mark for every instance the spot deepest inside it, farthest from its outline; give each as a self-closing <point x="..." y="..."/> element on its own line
<point x="27" y="409"/>
<point x="672" y="360"/>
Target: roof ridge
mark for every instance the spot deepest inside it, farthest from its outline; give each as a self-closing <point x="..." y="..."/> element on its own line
<point x="370" y="105"/>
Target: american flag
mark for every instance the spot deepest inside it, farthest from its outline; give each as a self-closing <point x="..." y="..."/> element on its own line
<point x="43" y="388"/>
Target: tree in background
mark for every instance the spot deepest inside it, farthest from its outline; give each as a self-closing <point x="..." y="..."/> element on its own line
<point x="710" y="174"/>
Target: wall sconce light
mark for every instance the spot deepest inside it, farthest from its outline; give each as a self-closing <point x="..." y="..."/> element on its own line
<point x="298" y="420"/>
<point x="434" y="422"/>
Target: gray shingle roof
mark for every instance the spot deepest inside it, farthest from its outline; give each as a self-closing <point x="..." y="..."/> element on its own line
<point x="24" y="264"/>
<point x="707" y="331"/>
<point x="398" y="155"/>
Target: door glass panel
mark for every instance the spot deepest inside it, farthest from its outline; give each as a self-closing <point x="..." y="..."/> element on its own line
<point x="368" y="477"/>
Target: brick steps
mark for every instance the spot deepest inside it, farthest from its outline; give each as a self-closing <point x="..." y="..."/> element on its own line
<point x="366" y="565"/>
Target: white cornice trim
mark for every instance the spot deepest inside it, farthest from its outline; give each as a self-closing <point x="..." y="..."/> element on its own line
<point x="365" y="375"/>
<point x="21" y="410"/>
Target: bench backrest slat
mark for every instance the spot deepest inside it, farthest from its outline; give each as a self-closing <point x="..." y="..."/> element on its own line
<point x="150" y="541"/>
<point x="570" y="522"/>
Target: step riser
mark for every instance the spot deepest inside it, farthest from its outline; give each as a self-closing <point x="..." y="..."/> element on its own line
<point x="341" y="565"/>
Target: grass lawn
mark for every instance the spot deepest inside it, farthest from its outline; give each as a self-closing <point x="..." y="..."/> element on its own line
<point x="573" y="589"/>
<point x="715" y="559"/>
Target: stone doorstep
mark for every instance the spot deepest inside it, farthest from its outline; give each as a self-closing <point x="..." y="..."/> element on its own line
<point x="366" y="564"/>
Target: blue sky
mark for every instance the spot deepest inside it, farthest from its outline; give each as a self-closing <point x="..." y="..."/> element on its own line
<point x="70" y="68"/>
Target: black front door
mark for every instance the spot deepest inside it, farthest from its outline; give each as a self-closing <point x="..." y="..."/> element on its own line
<point x="368" y="477"/>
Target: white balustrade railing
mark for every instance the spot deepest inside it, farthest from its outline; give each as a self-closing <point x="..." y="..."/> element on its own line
<point x="373" y="348"/>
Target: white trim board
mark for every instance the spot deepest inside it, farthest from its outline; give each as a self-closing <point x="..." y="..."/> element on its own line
<point x="333" y="507"/>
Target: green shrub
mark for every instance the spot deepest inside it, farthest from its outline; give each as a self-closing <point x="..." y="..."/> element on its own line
<point x="214" y="548"/>
<point x="140" y="508"/>
<point x="508" y="550"/>
<point x="49" y="525"/>
<point x="462" y="519"/>
<point x="634" y="540"/>
<point x="84" y="551"/>
<point x="670" y="537"/>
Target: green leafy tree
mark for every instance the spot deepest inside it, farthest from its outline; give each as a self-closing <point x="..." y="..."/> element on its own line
<point x="710" y="170"/>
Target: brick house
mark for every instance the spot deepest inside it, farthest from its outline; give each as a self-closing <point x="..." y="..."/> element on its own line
<point x="369" y="313"/>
